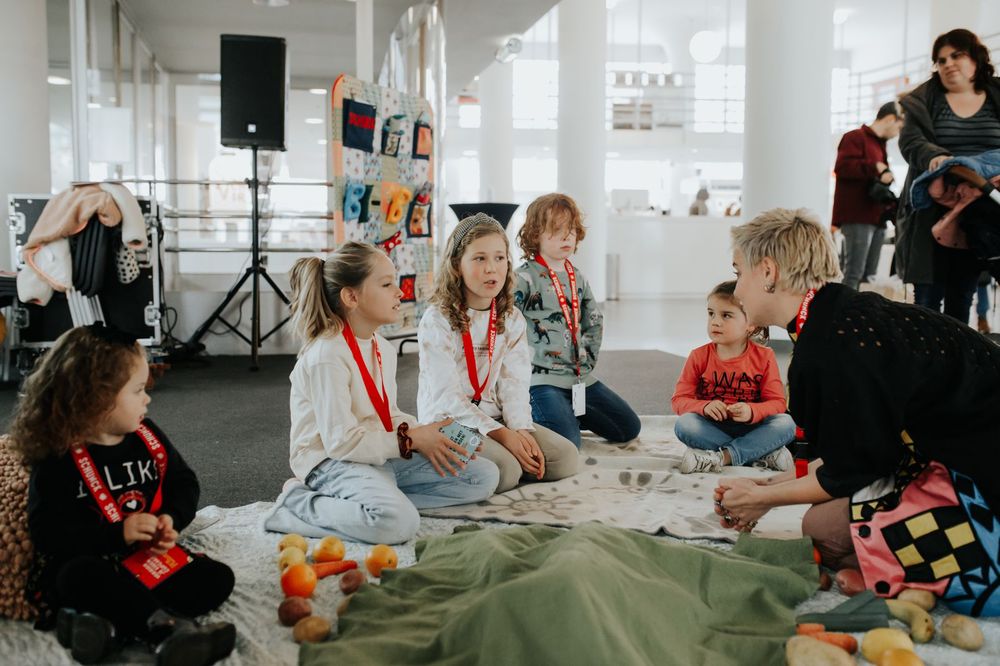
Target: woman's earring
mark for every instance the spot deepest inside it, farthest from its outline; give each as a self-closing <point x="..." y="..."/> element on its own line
<point x="769" y="288"/>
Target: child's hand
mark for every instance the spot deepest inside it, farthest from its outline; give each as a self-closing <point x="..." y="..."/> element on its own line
<point x="521" y="448"/>
<point x="740" y="412"/>
<point x="166" y="536"/>
<point x="536" y="453"/>
<point x="716" y="410"/>
<point x="139" y="527"/>
<point x="432" y="444"/>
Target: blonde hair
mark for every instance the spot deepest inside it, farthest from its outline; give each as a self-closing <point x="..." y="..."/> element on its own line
<point x="449" y="292"/>
<point x="795" y="241"/>
<point x="542" y="216"/>
<point x="317" y="283"/>
<point x="73" y="388"/>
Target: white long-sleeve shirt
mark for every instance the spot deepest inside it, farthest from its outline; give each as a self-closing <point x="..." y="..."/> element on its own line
<point x="332" y="414"/>
<point x="444" y="388"/>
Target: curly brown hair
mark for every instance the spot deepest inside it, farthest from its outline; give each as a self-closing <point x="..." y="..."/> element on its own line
<point x="549" y="212"/>
<point x="70" y="391"/>
<point x="449" y="292"/>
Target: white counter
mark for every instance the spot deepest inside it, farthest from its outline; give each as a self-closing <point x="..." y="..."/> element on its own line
<point x="664" y="256"/>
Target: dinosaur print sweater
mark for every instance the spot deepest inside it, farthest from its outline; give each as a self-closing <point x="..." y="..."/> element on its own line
<point x="752" y="377"/>
<point x="553" y="359"/>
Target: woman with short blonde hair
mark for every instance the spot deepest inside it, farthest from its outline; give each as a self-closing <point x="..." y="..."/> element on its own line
<point x="898" y="403"/>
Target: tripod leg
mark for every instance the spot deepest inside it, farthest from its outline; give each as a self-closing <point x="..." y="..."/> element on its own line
<point x="275" y="287"/>
<point x="198" y="334"/>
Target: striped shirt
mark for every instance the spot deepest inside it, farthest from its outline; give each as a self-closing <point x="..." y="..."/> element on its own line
<point x="967" y="136"/>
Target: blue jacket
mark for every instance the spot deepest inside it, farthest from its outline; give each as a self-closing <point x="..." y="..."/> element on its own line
<point x="985" y="164"/>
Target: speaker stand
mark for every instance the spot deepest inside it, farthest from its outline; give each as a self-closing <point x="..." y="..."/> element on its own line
<point x="256" y="270"/>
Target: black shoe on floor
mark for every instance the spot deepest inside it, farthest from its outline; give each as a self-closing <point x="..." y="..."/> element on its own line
<point x="89" y="638"/>
<point x="191" y="645"/>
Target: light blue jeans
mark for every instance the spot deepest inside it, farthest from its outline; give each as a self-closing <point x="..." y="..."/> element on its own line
<point x="746" y="442"/>
<point x="378" y="504"/>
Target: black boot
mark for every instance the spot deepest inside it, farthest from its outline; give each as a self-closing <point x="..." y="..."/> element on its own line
<point x="184" y="643"/>
<point x="89" y="638"/>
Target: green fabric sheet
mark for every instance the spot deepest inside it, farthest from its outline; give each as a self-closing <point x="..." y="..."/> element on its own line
<point x="590" y="595"/>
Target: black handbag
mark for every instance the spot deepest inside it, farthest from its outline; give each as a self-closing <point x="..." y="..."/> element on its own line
<point x="879" y="192"/>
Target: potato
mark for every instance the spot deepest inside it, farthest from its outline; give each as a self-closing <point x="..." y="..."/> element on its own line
<point x="807" y="651"/>
<point x="921" y="624"/>
<point x="962" y="632"/>
<point x="877" y="641"/>
<point x="289" y="556"/>
<point x="923" y="598"/>
<point x="296" y="540"/>
<point x="293" y="609"/>
<point x="899" y="657"/>
<point x="850" y="581"/>
<point x="312" y="629"/>
<point x="351" y="581"/>
<point x="825" y="582"/>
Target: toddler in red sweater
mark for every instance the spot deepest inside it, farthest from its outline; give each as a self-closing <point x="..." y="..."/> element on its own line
<point x="730" y="398"/>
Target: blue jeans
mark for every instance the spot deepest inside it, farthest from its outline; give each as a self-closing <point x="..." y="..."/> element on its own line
<point x="378" y="504"/>
<point x="607" y="416"/>
<point x="746" y="442"/>
<point x="982" y="300"/>
<point x="861" y="251"/>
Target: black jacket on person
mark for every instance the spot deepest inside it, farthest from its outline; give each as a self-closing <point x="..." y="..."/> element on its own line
<point x="918" y="144"/>
<point x="65" y="521"/>
<point x="865" y="369"/>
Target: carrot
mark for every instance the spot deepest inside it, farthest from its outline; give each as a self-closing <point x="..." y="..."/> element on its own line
<point x="324" y="569"/>
<point x="844" y="641"/>
<point x="808" y="628"/>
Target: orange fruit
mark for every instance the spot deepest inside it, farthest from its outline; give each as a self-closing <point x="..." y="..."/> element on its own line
<point x="816" y="556"/>
<point x="298" y="580"/>
<point x="380" y="557"/>
<point x="329" y="549"/>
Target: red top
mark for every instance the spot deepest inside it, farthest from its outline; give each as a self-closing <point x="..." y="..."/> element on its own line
<point x="752" y="377"/>
<point x="857" y="154"/>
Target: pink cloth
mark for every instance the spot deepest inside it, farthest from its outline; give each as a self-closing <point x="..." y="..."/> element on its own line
<point x="947" y="231"/>
<point x="752" y="377"/>
<point x="931" y="489"/>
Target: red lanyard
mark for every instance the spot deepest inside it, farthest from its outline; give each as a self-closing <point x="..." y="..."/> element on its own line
<point x="470" y="356"/>
<point x="381" y="403"/>
<point x="99" y="490"/>
<point x="572" y="320"/>
<point x="800" y="319"/>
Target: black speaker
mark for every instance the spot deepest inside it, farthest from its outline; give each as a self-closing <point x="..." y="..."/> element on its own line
<point x="254" y="91"/>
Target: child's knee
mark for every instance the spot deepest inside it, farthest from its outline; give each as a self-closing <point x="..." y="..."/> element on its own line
<point x="688" y="426"/>
<point x="394" y="522"/>
<point x="483" y="477"/>
<point x="783" y="423"/>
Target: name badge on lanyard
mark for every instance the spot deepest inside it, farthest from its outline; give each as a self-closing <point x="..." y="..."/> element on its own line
<point x="573" y="324"/>
<point x="150" y="568"/>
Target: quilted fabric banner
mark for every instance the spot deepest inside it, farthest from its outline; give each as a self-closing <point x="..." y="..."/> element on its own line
<point x="383" y="167"/>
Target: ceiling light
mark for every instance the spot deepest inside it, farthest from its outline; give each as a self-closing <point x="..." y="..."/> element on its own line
<point x="93" y="105"/>
<point x="59" y="81"/>
<point x="509" y="50"/>
<point x="705" y="46"/>
<point x="322" y="142"/>
<point x="318" y="91"/>
<point x="314" y="121"/>
<point x="271" y="3"/>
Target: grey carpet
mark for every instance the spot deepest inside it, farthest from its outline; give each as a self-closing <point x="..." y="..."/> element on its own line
<point x="232" y="425"/>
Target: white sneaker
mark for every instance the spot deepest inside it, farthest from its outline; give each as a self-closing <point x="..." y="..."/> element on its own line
<point x="697" y="460"/>
<point x="780" y="460"/>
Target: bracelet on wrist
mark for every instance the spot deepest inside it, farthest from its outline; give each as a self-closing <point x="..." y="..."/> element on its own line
<point x="404" y="440"/>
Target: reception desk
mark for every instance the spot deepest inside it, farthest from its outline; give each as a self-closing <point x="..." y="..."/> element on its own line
<point x="670" y="256"/>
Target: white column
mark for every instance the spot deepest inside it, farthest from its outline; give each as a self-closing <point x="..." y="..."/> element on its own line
<point x="496" y="133"/>
<point x="24" y="113"/>
<point x="364" y="18"/>
<point x="581" y="137"/>
<point x="787" y="155"/>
